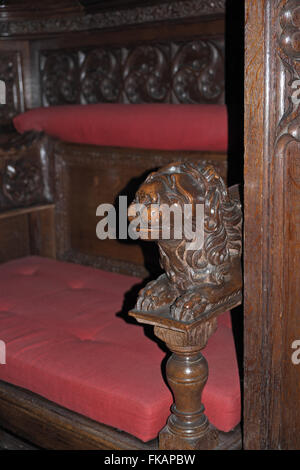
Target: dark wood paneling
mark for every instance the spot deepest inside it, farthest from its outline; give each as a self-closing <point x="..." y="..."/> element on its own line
<point x="42" y="231"/>
<point x="272" y="200"/>
<point x="85" y="176"/>
<point x="25" y="232"/>
<point x="14" y="237"/>
<point x="138" y="54"/>
<point x="255" y="354"/>
<point x="102" y="174"/>
<point x="181" y="63"/>
<point x="155" y="72"/>
<point x="29" y="9"/>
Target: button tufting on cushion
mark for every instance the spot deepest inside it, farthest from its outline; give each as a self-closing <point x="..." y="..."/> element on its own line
<point x="76" y="284"/>
<point x="66" y="343"/>
<point x="28" y="271"/>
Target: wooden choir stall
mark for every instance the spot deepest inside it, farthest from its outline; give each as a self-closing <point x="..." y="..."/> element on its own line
<point x="115" y="343"/>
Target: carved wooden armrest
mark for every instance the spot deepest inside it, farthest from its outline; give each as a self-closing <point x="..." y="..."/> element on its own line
<point x="25" y="170"/>
<point x="198" y="285"/>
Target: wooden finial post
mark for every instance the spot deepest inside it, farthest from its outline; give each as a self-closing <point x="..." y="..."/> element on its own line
<point x="187" y="373"/>
<point x="200" y="283"/>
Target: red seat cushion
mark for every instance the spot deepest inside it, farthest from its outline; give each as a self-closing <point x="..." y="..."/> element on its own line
<point x="65" y="342"/>
<point x="150" y="126"/>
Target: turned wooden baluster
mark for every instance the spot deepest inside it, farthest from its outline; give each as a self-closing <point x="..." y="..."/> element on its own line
<point x="187" y="373"/>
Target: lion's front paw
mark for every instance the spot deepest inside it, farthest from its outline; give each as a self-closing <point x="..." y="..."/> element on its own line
<point x="188" y="306"/>
<point x="156" y="294"/>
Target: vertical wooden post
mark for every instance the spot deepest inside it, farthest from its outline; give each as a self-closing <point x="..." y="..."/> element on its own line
<point x="187" y="373"/>
<point x="272" y="228"/>
<point x="187" y="427"/>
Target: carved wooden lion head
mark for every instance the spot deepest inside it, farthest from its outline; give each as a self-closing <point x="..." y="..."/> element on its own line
<point x="191" y="183"/>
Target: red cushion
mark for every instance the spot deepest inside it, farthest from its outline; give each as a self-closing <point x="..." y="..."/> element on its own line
<point x="150" y="126"/>
<point x="65" y="342"/>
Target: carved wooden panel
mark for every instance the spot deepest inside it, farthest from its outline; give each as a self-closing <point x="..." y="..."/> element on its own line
<point x="272" y="232"/>
<point x="60" y="79"/>
<point x="100" y="76"/>
<point x="11" y="74"/>
<point x="25" y="171"/>
<point x="166" y="72"/>
<point x="147" y="75"/>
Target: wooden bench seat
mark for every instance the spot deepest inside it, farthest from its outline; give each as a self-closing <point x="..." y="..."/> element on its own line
<point x="67" y="342"/>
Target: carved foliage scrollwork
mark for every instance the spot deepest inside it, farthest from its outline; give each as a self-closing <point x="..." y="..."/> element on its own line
<point x="11" y="75"/>
<point x="197" y="68"/>
<point x="172" y="72"/>
<point x="22" y="182"/>
<point x="288" y="129"/>
<point x="25" y="170"/>
<point x="289" y="56"/>
<point x="290" y="24"/>
<point x="60" y="78"/>
<point x="101" y="76"/>
<point x="147" y="75"/>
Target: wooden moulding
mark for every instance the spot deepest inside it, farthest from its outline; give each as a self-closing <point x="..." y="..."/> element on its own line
<point x="272" y="228"/>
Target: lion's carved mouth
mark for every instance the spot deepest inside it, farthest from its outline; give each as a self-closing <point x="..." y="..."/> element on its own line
<point x="150" y="218"/>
